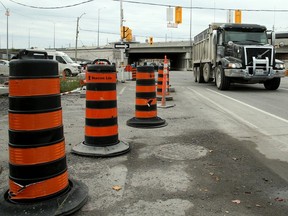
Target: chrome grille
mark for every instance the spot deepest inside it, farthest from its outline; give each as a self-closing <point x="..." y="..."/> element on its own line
<point x="258" y="53"/>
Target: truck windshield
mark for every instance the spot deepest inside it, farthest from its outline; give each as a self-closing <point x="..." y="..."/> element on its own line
<point x="67" y="59"/>
<point x="244" y="37"/>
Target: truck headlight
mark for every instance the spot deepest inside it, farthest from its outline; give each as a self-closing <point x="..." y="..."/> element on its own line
<point x="234" y="65"/>
<point x="279" y="66"/>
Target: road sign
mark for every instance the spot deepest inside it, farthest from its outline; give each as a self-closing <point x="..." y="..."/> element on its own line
<point x="121" y="46"/>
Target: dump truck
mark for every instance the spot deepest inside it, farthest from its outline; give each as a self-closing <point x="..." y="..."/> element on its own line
<point x="236" y="53"/>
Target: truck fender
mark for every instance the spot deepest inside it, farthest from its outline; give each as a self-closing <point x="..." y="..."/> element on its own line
<point x="224" y="62"/>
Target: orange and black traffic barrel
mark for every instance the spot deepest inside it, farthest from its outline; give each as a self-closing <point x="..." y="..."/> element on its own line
<point x="37" y="160"/>
<point x="146" y="103"/>
<point x="101" y="122"/>
<point x="168" y="97"/>
<point x="134" y="70"/>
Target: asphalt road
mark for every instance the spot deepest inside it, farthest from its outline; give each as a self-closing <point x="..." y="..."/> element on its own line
<point x="222" y="153"/>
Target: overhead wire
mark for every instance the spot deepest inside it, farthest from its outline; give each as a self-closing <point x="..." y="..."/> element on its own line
<point x="55" y="7"/>
<point x="202" y="8"/>
<point x="154" y="4"/>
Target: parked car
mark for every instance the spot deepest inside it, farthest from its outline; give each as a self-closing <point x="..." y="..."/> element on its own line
<point x="66" y="64"/>
<point x="4" y="68"/>
<point x="84" y="65"/>
<point x="101" y="61"/>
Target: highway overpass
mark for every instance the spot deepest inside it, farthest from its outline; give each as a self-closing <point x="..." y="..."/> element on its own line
<point x="178" y="52"/>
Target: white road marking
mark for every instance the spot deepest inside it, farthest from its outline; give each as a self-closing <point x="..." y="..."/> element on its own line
<point x="226" y="110"/>
<point x="274" y="143"/>
<point x="252" y="107"/>
<point x="284" y="89"/>
<point x="122" y="90"/>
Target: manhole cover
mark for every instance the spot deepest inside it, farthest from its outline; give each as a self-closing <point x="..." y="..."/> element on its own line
<point x="179" y="151"/>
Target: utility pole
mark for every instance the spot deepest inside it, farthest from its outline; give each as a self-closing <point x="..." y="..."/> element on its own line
<point x="77" y="32"/>
<point x="190" y="62"/>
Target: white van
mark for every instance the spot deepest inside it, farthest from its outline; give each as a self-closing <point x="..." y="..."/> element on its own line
<point x="65" y="63"/>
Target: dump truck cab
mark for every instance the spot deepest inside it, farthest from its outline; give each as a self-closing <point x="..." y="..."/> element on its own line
<point x="239" y="53"/>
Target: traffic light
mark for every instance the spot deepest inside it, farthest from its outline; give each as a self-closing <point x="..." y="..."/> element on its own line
<point x="129" y="35"/>
<point x="238" y="16"/>
<point x="150" y="40"/>
<point x="178" y="14"/>
<point x="124" y="32"/>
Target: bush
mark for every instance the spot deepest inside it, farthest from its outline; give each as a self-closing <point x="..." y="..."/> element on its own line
<point x="69" y="84"/>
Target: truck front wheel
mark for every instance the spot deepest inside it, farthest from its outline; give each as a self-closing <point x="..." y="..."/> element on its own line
<point x="272" y="84"/>
<point x="222" y="82"/>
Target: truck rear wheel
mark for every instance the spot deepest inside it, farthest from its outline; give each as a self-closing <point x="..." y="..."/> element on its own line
<point x="272" y="84"/>
<point x="195" y="73"/>
<point x="200" y="78"/>
<point x="206" y="72"/>
<point x="222" y="82"/>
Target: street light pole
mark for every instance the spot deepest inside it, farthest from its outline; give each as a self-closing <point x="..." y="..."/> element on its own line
<point x="77" y="32"/>
<point x="54" y="36"/>
<point x="7" y="50"/>
<point x="121" y="39"/>
<point x="98" y="35"/>
<point x="98" y="27"/>
<point x="7" y="13"/>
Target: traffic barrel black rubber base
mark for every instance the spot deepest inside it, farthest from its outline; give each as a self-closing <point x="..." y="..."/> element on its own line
<point x="95" y="151"/>
<point x="156" y="122"/>
<point x="167" y="97"/>
<point x="63" y="204"/>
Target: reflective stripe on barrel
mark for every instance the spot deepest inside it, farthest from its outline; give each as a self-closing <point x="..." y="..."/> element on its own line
<point x="37" y="160"/>
<point x="134" y="71"/>
<point x="145" y="106"/>
<point x="28" y="87"/>
<point x="101" y="127"/>
<point x="160" y="80"/>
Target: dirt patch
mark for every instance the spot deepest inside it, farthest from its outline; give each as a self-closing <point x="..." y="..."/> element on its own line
<point x="4" y="105"/>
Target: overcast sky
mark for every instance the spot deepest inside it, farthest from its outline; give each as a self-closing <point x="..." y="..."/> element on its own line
<point x="30" y="26"/>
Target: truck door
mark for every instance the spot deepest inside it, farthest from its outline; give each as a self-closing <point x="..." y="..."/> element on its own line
<point x="220" y="47"/>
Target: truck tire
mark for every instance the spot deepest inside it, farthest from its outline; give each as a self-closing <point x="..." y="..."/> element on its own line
<point x="272" y="84"/>
<point x="222" y="82"/>
<point x="195" y="73"/>
<point x="206" y="72"/>
<point x="200" y="78"/>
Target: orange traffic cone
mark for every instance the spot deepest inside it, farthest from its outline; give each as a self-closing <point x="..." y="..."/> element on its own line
<point x="160" y="84"/>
